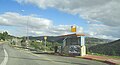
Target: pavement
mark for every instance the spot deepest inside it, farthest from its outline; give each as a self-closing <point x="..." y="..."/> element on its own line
<point x="113" y="61"/>
<point x="12" y="56"/>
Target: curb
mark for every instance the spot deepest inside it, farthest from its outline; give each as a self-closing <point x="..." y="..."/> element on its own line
<point x="104" y="61"/>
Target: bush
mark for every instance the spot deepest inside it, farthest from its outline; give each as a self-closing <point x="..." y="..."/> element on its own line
<point x="41" y="45"/>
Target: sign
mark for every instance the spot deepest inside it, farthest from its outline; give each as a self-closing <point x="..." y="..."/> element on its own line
<point x="73" y="28"/>
<point x="45" y="37"/>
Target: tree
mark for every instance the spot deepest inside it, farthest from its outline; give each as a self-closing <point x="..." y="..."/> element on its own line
<point x="4" y="35"/>
<point x="23" y="43"/>
<point x="0" y="36"/>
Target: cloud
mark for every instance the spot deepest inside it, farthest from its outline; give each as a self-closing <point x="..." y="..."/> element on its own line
<point x="15" y="19"/>
<point x="104" y="31"/>
<point x="57" y="30"/>
<point x="103" y="12"/>
<point x="16" y="24"/>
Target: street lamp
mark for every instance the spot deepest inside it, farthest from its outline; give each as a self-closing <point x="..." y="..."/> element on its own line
<point x="27" y="38"/>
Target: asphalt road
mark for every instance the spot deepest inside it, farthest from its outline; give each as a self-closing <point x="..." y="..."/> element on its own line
<point x="11" y="56"/>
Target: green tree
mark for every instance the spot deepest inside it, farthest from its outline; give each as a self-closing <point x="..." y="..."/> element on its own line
<point x="4" y="35"/>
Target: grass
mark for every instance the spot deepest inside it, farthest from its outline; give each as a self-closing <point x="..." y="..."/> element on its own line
<point x="114" y="57"/>
<point x="1" y="42"/>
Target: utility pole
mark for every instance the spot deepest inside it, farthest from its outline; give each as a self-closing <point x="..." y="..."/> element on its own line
<point x="27" y="36"/>
<point x="27" y="32"/>
<point x="45" y="38"/>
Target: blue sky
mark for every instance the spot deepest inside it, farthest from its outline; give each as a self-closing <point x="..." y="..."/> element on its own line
<point x="58" y="17"/>
<point x="55" y="17"/>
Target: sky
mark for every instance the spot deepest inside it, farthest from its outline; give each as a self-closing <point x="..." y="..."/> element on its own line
<point x="95" y="18"/>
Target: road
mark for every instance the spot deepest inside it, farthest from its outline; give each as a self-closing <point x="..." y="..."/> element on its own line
<point x="11" y="56"/>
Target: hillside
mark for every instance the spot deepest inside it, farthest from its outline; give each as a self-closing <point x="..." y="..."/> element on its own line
<point x="96" y="40"/>
<point x="112" y="48"/>
<point x="89" y="40"/>
<point x="49" y="38"/>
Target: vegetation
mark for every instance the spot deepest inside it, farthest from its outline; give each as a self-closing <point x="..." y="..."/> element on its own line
<point x="112" y="48"/>
<point x="94" y="45"/>
<point x="51" y="39"/>
<point x="5" y="36"/>
<point x="41" y="45"/>
<point x="89" y="40"/>
<point x="23" y="42"/>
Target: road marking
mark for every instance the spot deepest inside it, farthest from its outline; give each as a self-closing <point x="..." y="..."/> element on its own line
<point x="4" y="62"/>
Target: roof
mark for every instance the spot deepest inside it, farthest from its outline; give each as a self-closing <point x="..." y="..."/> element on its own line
<point x="72" y="35"/>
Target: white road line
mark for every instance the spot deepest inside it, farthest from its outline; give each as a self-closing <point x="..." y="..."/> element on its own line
<point x="4" y="62"/>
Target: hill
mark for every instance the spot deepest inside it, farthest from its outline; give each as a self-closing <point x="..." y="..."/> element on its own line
<point x="49" y="38"/>
<point x="96" y="40"/>
<point x="112" y="48"/>
<point x="88" y="40"/>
